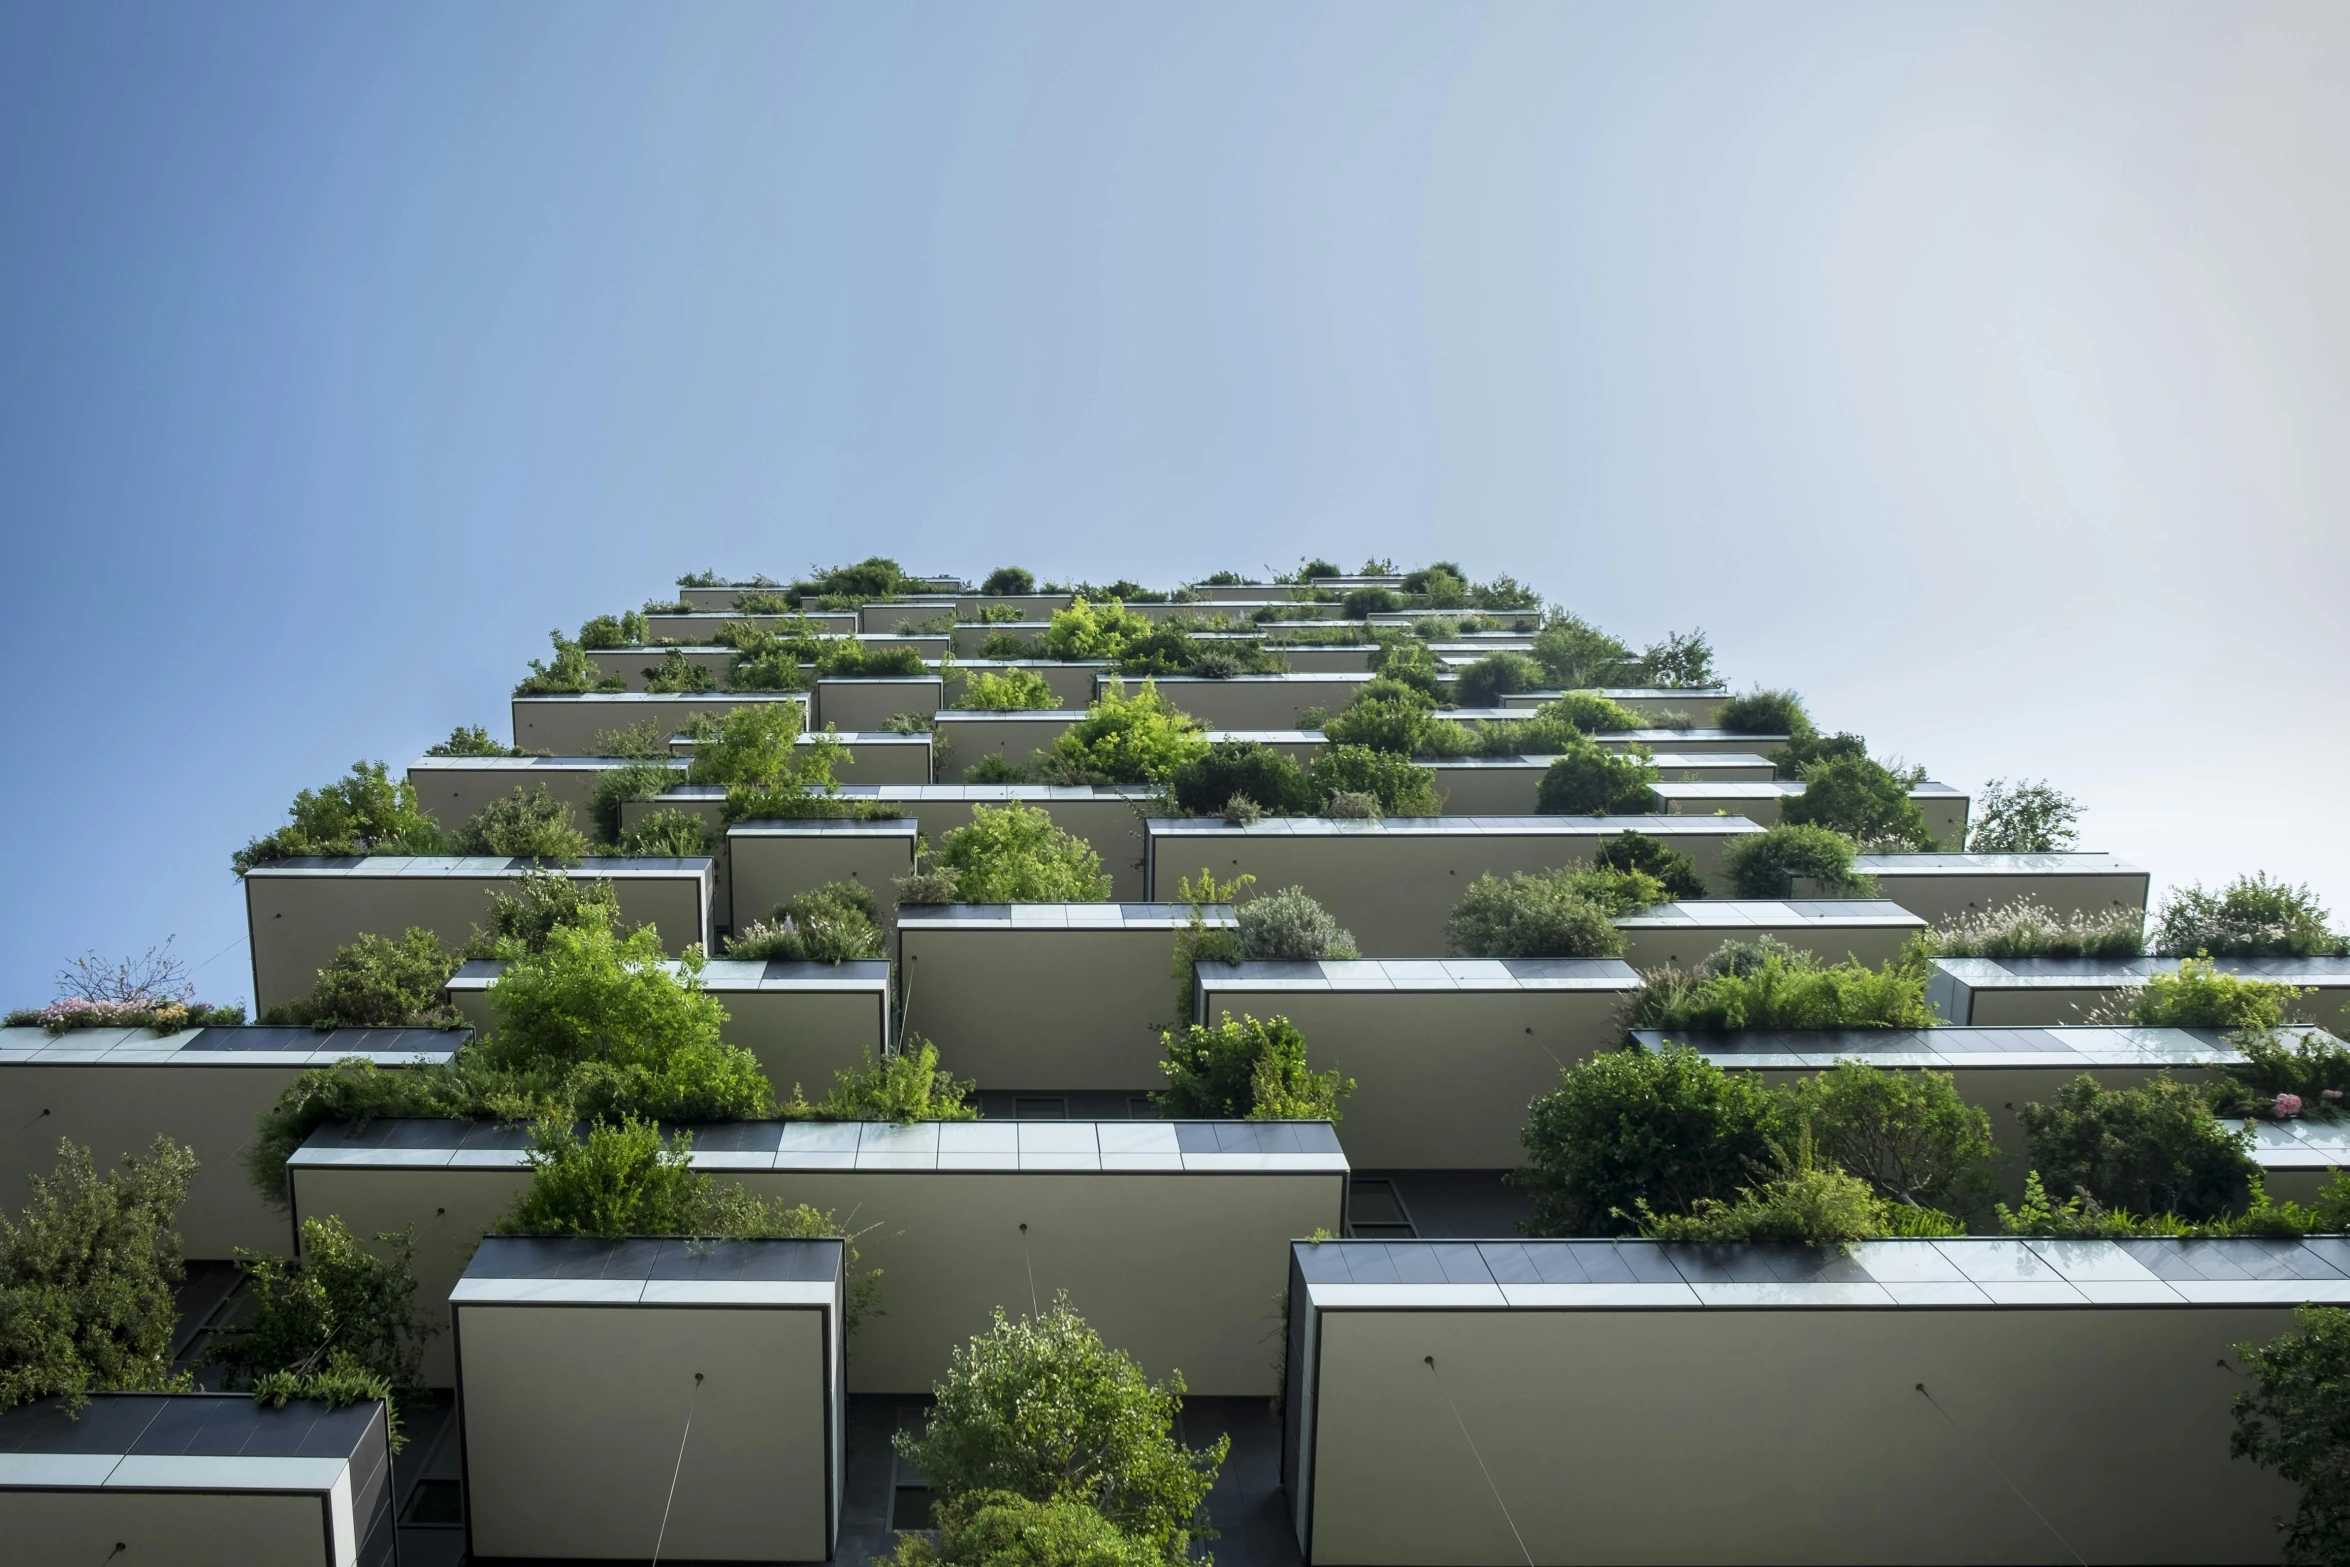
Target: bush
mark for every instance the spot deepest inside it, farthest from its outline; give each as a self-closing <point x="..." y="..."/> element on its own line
<point x="804" y="789"/>
<point x="769" y="658"/>
<point x="87" y="1278"/>
<point x="626" y="629"/>
<point x="1573" y="653"/>
<point x="1587" y="781"/>
<point x="1397" y="787"/>
<point x="572" y="672"/>
<point x="1206" y="783"/>
<point x="1906" y="1133"/>
<point x="1013" y="691"/>
<point x="1007" y="580"/>
<point x="1354" y="805"/>
<point x="2251" y="917"/>
<point x="756" y="746"/>
<point x="647" y="741"/>
<point x="2151" y="1149"/>
<point x="2312" y="1067"/>
<point x="1487" y="681"/>
<point x="1590" y="714"/>
<point x="1124" y="739"/>
<point x="1405" y="661"/>
<point x="2024" y="929"/>
<point x="1013" y="853"/>
<point x="366" y="813"/>
<point x="2200" y="996"/>
<point x="1398" y="722"/>
<point x="1007" y="645"/>
<point x="1290" y="927"/>
<point x="998" y="1529"/>
<point x="1803" y="1203"/>
<point x="639" y="780"/>
<point x="1085" y="631"/>
<point x="1765" y="713"/>
<point x="670" y="834"/>
<point x="2023" y="818"/>
<point x="876" y="577"/>
<point x="844" y="658"/>
<point x="362" y="1303"/>
<point x="835" y="923"/>
<point x="523" y="920"/>
<point x="1783" y="989"/>
<point x="1042" y="1408"/>
<point x="1245" y="1071"/>
<point x="677" y="674"/>
<point x="1860" y="799"/>
<point x="906" y="1086"/>
<point x="1565" y="914"/>
<point x="525" y="825"/>
<point x="1683" y="660"/>
<point x="377" y="982"/>
<point x="2295" y="1419"/>
<point x="1628" y="1127"/>
<point x="1529" y="736"/>
<point x="1674" y="871"/>
<point x="471" y="740"/>
<point x="1361" y="602"/>
<point x="995" y="768"/>
<point x="1765" y="864"/>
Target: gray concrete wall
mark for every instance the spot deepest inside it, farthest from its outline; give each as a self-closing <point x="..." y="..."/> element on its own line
<point x="1687" y="944"/>
<point x="568" y="725"/>
<point x="869" y="702"/>
<point x="198" y="1528"/>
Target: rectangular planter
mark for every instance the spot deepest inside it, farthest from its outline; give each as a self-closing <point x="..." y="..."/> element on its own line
<point x="1033" y="607"/>
<point x="804" y="1021"/>
<point x="452" y="788"/>
<point x="1168" y="1235"/>
<point x="1254" y="701"/>
<point x="1870" y="931"/>
<point x="1326" y="659"/>
<point x="1700" y="705"/>
<point x="1394" y="882"/>
<point x="568" y="725"/>
<point x="1944" y="887"/>
<point x="1445" y="1056"/>
<point x="111" y="1090"/>
<point x="1763" y="802"/>
<point x="776" y="860"/>
<point x="2079" y="1375"/>
<point x="744" y="1338"/>
<point x="2047" y="992"/>
<point x="299" y="912"/>
<point x="870" y="701"/>
<point x="700" y="628"/>
<point x="197" y="1480"/>
<point x="1051" y="996"/>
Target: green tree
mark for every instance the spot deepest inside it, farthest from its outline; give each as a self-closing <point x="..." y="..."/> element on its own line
<point x="377" y="982"/>
<point x="668" y="834"/>
<point x="1401" y="787"/>
<point x="1906" y="1133"/>
<point x="2295" y="1419"/>
<point x="1251" y="1070"/>
<point x="2023" y="818"/>
<point x="367" y="813"/>
<point x="1573" y="652"/>
<point x="1143" y="738"/>
<point x="524" y="825"/>
<point x="1672" y="870"/>
<point x="2153" y="1149"/>
<point x="1013" y="691"/>
<point x="339" y="1296"/>
<point x="1006" y="581"/>
<point x="1013" y="853"/>
<point x="1860" y="799"/>
<point x="1251" y="769"/>
<point x="1092" y="631"/>
<point x="571" y="673"/>
<point x="1625" y="1127"/>
<point x="1764" y="864"/>
<point x="1487" y="681"/>
<point x="1587" y="781"/>
<point x="1765" y="713"/>
<point x="756" y="745"/>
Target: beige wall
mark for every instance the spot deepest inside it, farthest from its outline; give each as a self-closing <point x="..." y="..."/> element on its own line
<point x="1798" y="1436"/>
<point x="184" y="1528"/>
<point x="773" y="863"/>
<point x="694" y="629"/>
<point x="1041" y="1008"/>
<point x="1256" y="701"/>
<point x="1941" y="898"/>
<point x="1072" y="684"/>
<point x="962" y="738"/>
<point x="568" y="725"/>
<point x="630" y="663"/>
<point x="869" y="702"/>
<point x="450" y="795"/>
<point x="1648" y="947"/>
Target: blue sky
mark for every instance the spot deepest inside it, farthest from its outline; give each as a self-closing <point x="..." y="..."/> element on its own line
<point x="1979" y="371"/>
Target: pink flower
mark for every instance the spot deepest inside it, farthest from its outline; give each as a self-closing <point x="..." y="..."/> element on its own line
<point x="2329" y="1093"/>
<point x="2288" y="1106"/>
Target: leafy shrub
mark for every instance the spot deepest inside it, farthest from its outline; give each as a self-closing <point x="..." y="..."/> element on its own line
<point x="1308" y="570"/>
<point x="1041" y="1408"/>
<point x="1667" y="1128"/>
<point x="1674" y="871"/>
<point x="846" y="659"/>
<point x="906" y="1086"/>
<point x="471" y="740"/>
<point x="876" y="577"/>
<point x="1007" y="645"/>
<point x="1587" y="781"/>
<point x="1406" y="662"/>
<point x="1528" y="736"/>
<point x="1765" y="864"/>
<point x="2023" y="818"/>
<point x="605" y="631"/>
<point x="835" y="923"/>
<point x="1803" y="752"/>
<point x="1764" y="713"/>
<point x="998" y="1529"/>
<point x="1908" y="1134"/>
<point x="1203" y="785"/>
<point x="87" y="1277"/>
<point x="1122" y="739"/>
<point x="2251" y="917"/>
<point x="1397" y="786"/>
<point x="804" y="789"/>
<point x="1565" y="914"/>
<point x="377" y="982"/>
<point x="1241" y="811"/>
<point x="756" y="745"/>
<point x="678" y="675"/>
<point x="639" y="780"/>
<point x="647" y="741"/>
<point x="2200" y="996"/>
<point x="1441" y="583"/>
<point x="2155" y="1148"/>
<point x="571" y="673"/>
<point x="1487" y="681"/>
<point x="1013" y="691"/>
<point x="522" y="921"/>
<point x="1013" y="853"/>
<point x="1090" y="631"/>
<point x="1290" y="927"/>
<point x="701" y="579"/>
<point x="367" y="813"/>
<point x="1683" y="660"/>
<point x="1590" y="713"/>
<point x="1397" y="721"/>
<point x="1008" y="580"/>
<point x="2025" y="929"/>
<point x="1784" y="990"/>
<point x="339" y="1295"/>
<point x="525" y="825"/>
<point x="1573" y="652"/>
<point x="2312" y="1067"/>
<point x="756" y="602"/>
<point x="1360" y="602"/>
<point x="1860" y="799"/>
<point x="1354" y="805"/>
<point x="670" y="834"/>
<point x="1802" y="1203"/>
<point x="996" y="768"/>
<point x="1246" y="1071"/>
<point x="2292" y="1419"/>
<point x="769" y="658"/>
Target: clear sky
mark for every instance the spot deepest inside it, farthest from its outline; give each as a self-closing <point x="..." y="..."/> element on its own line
<point x="1980" y="371"/>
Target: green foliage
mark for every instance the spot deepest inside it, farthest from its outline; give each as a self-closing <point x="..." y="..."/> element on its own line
<point x="356" y="1090"/>
<point x="1407" y="662"/>
<point x="1007" y="645"/>
<point x="670" y="834"/>
<point x="339" y="1297"/>
<point x="1014" y="854"/>
<point x="1860" y="799"/>
<point x="521" y="921"/>
<point x="1629" y="1127"/>
<point x="1308" y="570"/>
<point x="1087" y="631"/>
<point x="1288" y="926"/>
<point x="1765" y="713"/>
<point x="835" y="923"/>
<point x="756" y="602"/>
<point x="678" y="675"/>
<point x="1041" y="1408"/>
<point x="1674" y="871"/>
<point x="1574" y="653"/>
<point x="1172" y="649"/>
<point x="1397" y="720"/>
<point x="768" y="658"/>
<point x="525" y="825"/>
<point x="1487" y="681"/>
<point x="1682" y="661"/>
<point x="701" y="579"/>
<point x="1803" y="752"/>
<point x="1206" y="783"/>
<point x="646" y="741"/>
<point x="905" y="1086"/>
<point x="1587" y="781"/>
<point x="1783" y="989"/>
<point x="1399" y="787"/>
<point x="2200" y="996"/>
<point x="2081" y="1217"/>
<point x="1008" y="580"/>
<point x="571" y="673"/>
<point x="1532" y="735"/>
<point x="369" y="812"/>
<point x="757" y="745"/>
<point x="379" y="982"/>
<point x="1360" y="602"/>
<point x="73" y="1013"/>
<point x="802" y="789"/>
<point x="623" y="630"/>
<point x="339" y="1382"/>
<point x="87" y="1277"/>
<point x="2295" y="1419"/>
<point x="998" y="1529"/>
<point x="876" y="577"/>
<point x="1013" y="691"/>
<point x="1564" y="914"/>
<point x="1440" y="583"/>
<point x="471" y="740"/>
<point x="2251" y="917"/>
<point x="2025" y="929"/>
<point x="2311" y="1066"/>
<point x="1590" y="713"/>
<point x="1907" y="1134"/>
<point x="2023" y="818"/>
<point x="2155" y="1148"/>
<point x="1765" y="864"/>
<point x="1246" y="1071"/>
<point x="1803" y="1203"/>
<point x="845" y="658"/>
<point x="995" y="768"/>
<point x="640" y="780"/>
<point x="1122" y="739"/>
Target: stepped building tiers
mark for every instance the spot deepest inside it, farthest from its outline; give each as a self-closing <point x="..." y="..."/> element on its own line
<point x="1536" y="1099"/>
